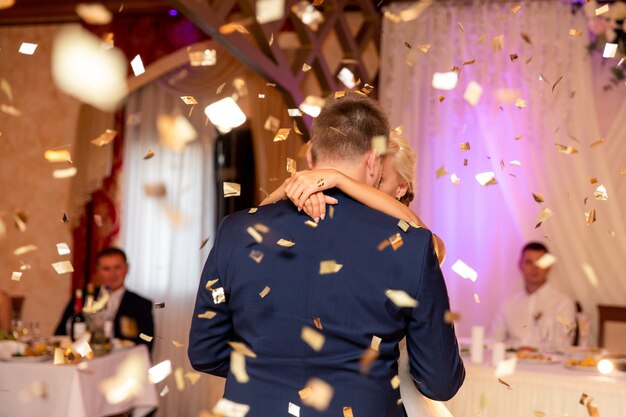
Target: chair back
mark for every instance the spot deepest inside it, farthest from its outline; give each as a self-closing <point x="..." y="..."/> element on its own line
<point x="612" y="328"/>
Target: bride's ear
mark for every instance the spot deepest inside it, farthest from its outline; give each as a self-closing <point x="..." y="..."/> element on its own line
<point x="401" y="190"/>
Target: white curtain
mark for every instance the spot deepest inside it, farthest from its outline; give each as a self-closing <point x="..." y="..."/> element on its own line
<point x="487" y="226"/>
<point x="162" y="236"/>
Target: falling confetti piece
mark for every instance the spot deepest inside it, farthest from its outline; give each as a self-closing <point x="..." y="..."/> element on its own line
<point x="476" y="298"/>
<point x="16" y="276"/>
<point x="178" y="344"/>
<point x="58" y="156"/>
<point x="227" y="408"/>
<point x="545" y="261"/>
<point x="63" y="267"/>
<point x="265" y="291"/>
<point x="159" y="371"/>
<point x="520" y="103"/>
<point x="395" y="382"/>
<point x="602" y="10"/>
<point x="64" y="173"/>
<point x="513" y="57"/>
<point x="445" y="80"/>
<point x="486" y="178"/>
<point x="145" y="337"/>
<point x="451" y="317"/>
<point x="207" y="315"/>
<point x="282" y="134"/>
<point x="565" y="149"/>
<point x="285" y="243"/>
<point x="441" y="171"/>
<point x="272" y="124"/>
<point x="424" y="47"/>
<point x="610" y="49"/>
<point x="232" y="189"/>
<point x="506" y="367"/>
<point x="94" y="13"/>
<point x="255" y="235"/>
<point x="575" y="32"/>
<point x="465" y="271"/>
<point x="367" y="359"/>
<point x="269" y="10"/>
<point x="238" y="367"/>
<point x="590" y="274"/>
<point x="105" y="138"/>
<point x="497" y="42"/>
<point x="454" y="179"/>
<point x="465" y="146"/>
<point x="27" y="48"/>
<point x="63" y="249"/>
<point x="312" y="338"/>
<point x="600" y="193"/>
<point x="538" y="198"/>
<point x="316" y="394"/>
<point x="504" y="383"/>
<point x="597" y="143"/>
<point x="403" y="225"/>
<point x="401" y="299"/>
<point x="311" y="224"/>
<point x="347" y="412"/>
<point x="516" y="8"/>
<point x="590" y="217"/>
<point x="329" y="267"/>
<point x="379" y="144"/>
<point x="472" y="93"/>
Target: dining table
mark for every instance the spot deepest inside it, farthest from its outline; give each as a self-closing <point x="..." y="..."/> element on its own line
<point x="33" y="387"/>
<point x="541" y="388"/>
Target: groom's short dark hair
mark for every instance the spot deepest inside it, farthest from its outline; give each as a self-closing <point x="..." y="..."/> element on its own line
<point x="344" y="129"/>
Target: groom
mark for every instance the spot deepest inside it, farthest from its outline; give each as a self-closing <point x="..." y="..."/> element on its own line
<point x="299" y="317"/>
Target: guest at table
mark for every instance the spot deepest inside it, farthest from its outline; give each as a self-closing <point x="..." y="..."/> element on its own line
<point x="130" y="313"/>
<point x="5" y="311"/>
<point x="539" y="315"/>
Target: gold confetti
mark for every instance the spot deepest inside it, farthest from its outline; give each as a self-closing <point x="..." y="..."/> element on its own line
<point x="272" y="124"/>
<point x="454" y="179"/>
<point x="238" y="367"/>
<point x="291" y="166"/>
<point x="347" y="412"/>
<point x="379" y="144"/>
<point x="255" y="235"/>
<point x="16" y="276"/>
<point x="476" y="298"/>
<point x="593" y="180"/>
<point x="312" y="338"/>
<point x="305" y="67"/>
<point x="285" y="243"/>
<point x="400" y="298"/>
<point x="311" y="224"/>
<point x="188" y="99"/>
<point x="441" y="99"/>
<point x="256" y="256"/>
<point x="253" y="210"/>
<point x="465" y="146"/>
<point x="565" y="149"/>
<point x="192" y="376"/>
<point x="64" y="173"/>
<point x="178" y="344"/>
<point x="557" y="82"/>
<point x="472" y="93"/>
<point x="441" y="171"/>
<point x="318" y="323"/>
<point x="233" y="27"/>
<point x="403" y="225"/>
<point x="451" y="317"/>
<point x="590" y="274"/>
<point x="497" y="42"/>
<point x="545" y="261"/>
<point x="243" y="349"/>
<point x="207" y="315"/>
<point x="4" y="84"/>
<point x="375" y="343"/>
<point x="473" y="61"/>
<point x="622" y="170"/>
<point x="513" y="57"/>
<point x="105" y="138"/>
<point x="425" y="47"/>
<point x="395" y="382"/>
<point x="148" y="154"/>
<point x="269" y="10"/>
<point x="329" y="267"/>
<point x="538" y="198"/>
<point x="597" y="143"/>
<point x="526" y="38"/>
<point x="575" y="32"/>
<point x="486" y="178"/>
<point x="155" y="190"/>
<point x="465" y="270"/>
<point x="265" y="291"/>
<point x="602" y="10"/>
<point x="520" y="103"/>
<point x="516" y="8"/>
<point x="63" y="267"/>
<point x="58" y="156"/>
<point x="232" y="189"/>
<point x="94" y="13"/>
<point x="367" y="359"/>
<point x="316" y="394"/>
<point x="590" y="217"/>
<point x="600" y="193"/>
<point x="282" y="134"/>
<point x="482" y="38"/>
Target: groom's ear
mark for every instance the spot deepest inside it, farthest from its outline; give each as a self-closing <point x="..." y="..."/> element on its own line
<point x="374" y="162"/>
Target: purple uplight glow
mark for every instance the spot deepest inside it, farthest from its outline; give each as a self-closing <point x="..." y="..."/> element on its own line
<point x="173" y="12"/>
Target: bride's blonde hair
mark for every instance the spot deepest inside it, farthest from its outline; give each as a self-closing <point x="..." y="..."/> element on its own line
<point x="404" y="158"/>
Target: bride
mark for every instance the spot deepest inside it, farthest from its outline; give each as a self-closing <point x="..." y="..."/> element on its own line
<point x="395" y="192"/>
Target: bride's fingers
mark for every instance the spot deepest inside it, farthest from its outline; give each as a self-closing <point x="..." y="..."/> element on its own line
<point x="330" y="200"/>
<point x="321" y="203"/>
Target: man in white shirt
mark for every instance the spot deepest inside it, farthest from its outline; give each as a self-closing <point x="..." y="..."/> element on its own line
<point x="539" y="315"/>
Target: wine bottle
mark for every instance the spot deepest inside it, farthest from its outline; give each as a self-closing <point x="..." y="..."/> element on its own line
<point x="78" y="325"/>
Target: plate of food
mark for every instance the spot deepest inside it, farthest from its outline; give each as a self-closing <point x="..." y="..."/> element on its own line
<point x="38" y="352"/>
<point x="587" y="364"/>
<point x="533" y="356"/>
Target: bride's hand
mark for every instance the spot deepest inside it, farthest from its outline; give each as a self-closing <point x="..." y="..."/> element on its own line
<point x="303" y="184"/>
<point x="315" y="205"/>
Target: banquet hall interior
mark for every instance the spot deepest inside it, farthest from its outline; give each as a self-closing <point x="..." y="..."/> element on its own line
<point x="142" y="123"/>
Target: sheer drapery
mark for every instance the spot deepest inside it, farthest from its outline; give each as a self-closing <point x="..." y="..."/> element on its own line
<point x="162" y="235"/>
<point x="486" y="226"/>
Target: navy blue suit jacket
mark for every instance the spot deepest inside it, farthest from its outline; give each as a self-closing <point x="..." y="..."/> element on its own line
<point x="351" y="305"/>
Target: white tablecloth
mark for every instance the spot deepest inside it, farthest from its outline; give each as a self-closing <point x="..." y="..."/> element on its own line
<point x="549" y="388"/>
<point x="69" y="392"/>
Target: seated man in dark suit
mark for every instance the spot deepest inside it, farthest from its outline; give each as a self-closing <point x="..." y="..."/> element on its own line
<point x="305" y="318"/>
<point x="130" y="313"/>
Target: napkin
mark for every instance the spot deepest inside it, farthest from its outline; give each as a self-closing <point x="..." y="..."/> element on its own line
<point x="9" y="347"/>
